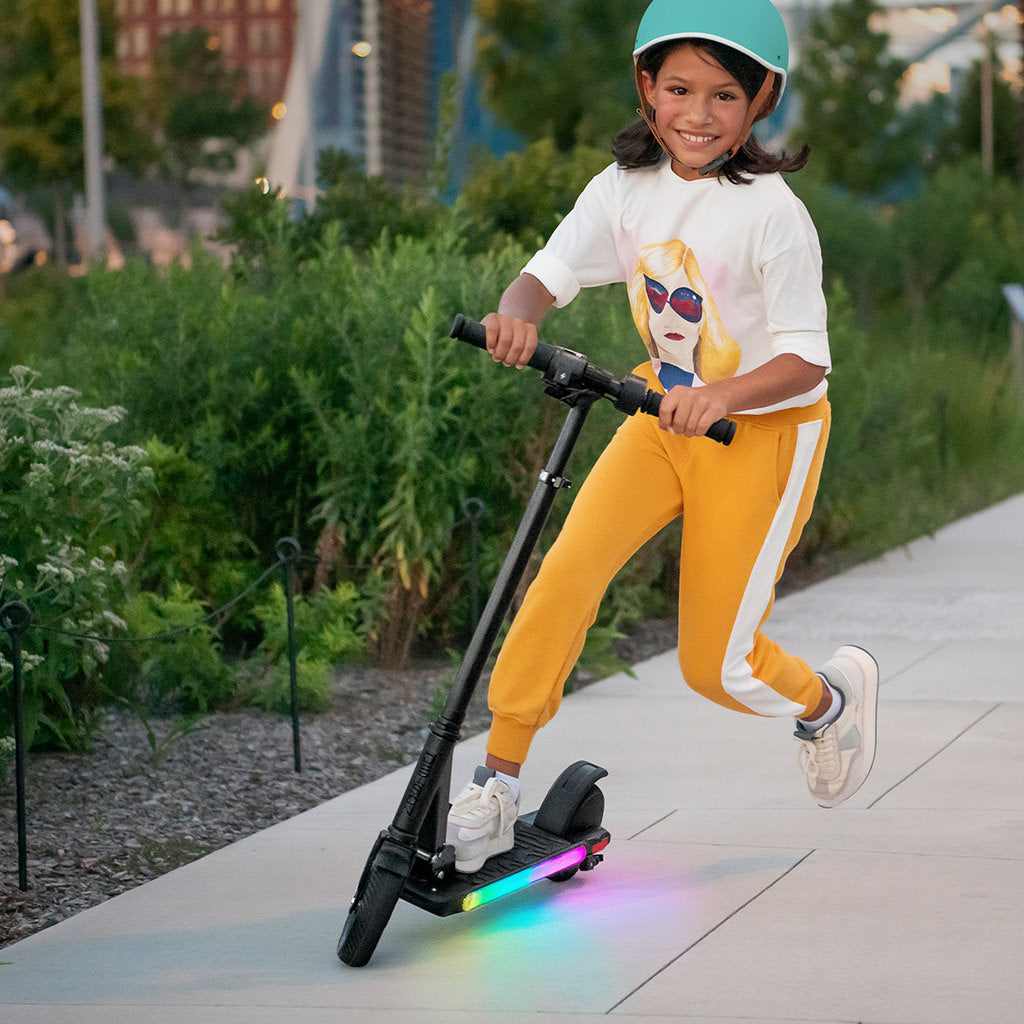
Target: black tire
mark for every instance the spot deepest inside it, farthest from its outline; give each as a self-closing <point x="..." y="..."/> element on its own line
<point x="374" y="902"/>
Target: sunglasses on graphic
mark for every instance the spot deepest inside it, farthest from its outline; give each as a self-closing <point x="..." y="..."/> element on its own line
<point x="685" y="301"/>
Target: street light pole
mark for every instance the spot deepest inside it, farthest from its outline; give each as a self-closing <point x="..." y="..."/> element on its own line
<point x="987" y="126"/>
<point x="1020" y="96"/>
<point x="372" y="87"/>
<point x="92" y="120"/>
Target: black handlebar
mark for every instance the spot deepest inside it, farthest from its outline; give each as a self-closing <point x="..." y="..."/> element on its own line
<point x="562" y="366"/>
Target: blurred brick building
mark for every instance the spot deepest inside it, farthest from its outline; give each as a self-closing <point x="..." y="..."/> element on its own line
<point x="358" y="75"/>
<point x="257" y="35"/>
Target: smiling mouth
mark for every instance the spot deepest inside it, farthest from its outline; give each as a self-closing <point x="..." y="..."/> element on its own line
<point x="697" y="140"/>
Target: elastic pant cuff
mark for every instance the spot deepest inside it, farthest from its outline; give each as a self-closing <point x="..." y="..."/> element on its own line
<point x="510" y="740"/>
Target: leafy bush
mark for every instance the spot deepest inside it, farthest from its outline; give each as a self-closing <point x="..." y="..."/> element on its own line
<point x="915" y="440"/>
<point x="174" y="662"/>
<point x="310" y="390"/>
<point x="404" y="419"/>
<point x="855" y="245"/>
<point x="70" y="504"/>
<point x="191" y="536"/>
<point x="327" y="630"/>
<point x="957" y="242"/>
<point x="352" y="210"/>
<point x="524" y="195"/>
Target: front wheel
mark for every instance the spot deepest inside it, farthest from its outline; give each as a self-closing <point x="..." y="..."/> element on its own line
<point x="379" y="890"/>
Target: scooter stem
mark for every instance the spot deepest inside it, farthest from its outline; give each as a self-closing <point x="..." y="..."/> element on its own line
<point x="433" y="767"/>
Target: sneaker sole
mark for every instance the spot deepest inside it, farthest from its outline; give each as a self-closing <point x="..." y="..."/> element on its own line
<point x="468" y="867"/>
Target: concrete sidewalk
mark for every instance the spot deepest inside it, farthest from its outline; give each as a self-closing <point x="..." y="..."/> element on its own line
<point x="725" y="895"/>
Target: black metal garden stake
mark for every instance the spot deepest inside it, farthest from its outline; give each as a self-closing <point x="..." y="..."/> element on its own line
<point x="288" y="549"/>
<point x="15" y="617"/>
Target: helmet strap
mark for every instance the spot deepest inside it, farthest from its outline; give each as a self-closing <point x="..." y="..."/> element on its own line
<point x="755" y="111"/>
<point x="644" y="115"/>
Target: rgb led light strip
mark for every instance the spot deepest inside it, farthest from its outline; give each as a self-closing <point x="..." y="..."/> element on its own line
<point x="522" y="879"/>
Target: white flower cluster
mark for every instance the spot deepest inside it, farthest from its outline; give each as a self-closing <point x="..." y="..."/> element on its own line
<point x="45" y="445"/>
<point x="69" y="487"/>
<point x="28" y="662"/>
<point x="106" y="417"/>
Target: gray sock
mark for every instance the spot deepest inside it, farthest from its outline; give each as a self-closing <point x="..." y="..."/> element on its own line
<point x="836" y="709"/>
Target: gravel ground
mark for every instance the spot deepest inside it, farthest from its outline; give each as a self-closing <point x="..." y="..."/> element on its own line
<point x="102" y="822"/>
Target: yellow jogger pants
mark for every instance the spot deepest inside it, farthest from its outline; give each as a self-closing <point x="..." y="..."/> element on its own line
<point x="743" y="508"/>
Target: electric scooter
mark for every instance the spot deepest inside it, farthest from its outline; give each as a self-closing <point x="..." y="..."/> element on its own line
<point x="411" y="859"/>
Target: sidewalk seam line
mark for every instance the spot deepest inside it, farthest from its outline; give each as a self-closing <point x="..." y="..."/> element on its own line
<point x="714" y="928"/>
<point x="928" y="760"/>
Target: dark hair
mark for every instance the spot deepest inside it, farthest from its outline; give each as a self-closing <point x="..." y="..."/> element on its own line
<point x="636" y="145"/>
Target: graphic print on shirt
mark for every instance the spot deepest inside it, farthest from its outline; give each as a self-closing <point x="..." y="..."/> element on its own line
<point x="678" y="319"/>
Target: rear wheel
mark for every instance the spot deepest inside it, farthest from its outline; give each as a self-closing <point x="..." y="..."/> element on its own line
<point x="564" y="876"/>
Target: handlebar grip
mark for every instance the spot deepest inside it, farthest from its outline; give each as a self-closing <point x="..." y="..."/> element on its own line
<point x="474" y="333"/>
<point x="721" y="431"/>
<point x="471" y="331"/>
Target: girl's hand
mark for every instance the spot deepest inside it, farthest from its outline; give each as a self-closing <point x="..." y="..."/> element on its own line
<point x="691" y="411"/>
<point x="510" y="340"/>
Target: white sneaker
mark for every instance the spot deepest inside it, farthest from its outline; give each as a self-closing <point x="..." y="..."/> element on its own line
<point x="837" y="758"/>
<point x="481" y="823"/>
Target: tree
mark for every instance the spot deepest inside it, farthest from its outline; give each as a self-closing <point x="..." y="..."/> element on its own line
<point x="559" y="68"/>
<point x="199" y="114"/>
<point x="524" y="195"/>
<point x="849" y="88"/>
<point x="41" y="134"/>
<point x="963" y="137"/>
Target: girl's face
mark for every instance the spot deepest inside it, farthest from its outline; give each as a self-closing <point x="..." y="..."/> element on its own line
<point x="699" y="108"/>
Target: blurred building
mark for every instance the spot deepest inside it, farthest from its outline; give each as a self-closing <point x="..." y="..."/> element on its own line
<point x="939" y="41"/>
<point x="257" y="35"/>
<point x="363" y="76"/>
<point x="367" y="78"/>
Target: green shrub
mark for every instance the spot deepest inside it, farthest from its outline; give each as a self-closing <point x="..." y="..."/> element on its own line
<point x="310" y="390"/>
<point x="915" y="440"/>
<point x="404" y="418"/>
<point x="855" y="245"/>
<point x="957" y="241"/>
<point x="70" y="503"/>
<point x="328" y="630"/>
<point x="524" y="195"/>
<point x="201" y="362"/>
<point x="37" y="307"/>
<point x="190" y="536"/>
<point x="173" y="662"/>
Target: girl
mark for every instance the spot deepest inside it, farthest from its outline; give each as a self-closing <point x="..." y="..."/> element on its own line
<point x="723" y="270"/>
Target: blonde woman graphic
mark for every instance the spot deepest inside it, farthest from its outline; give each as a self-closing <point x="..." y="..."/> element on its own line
<point x="678" y="319"/>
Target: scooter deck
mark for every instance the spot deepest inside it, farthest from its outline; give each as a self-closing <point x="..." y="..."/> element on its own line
<point x="536" y="854"/>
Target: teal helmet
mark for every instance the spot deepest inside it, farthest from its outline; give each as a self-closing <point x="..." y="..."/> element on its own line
<point x="753" y="27"/>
